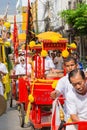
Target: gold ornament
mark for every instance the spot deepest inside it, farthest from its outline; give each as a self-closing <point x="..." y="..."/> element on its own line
<point x="65" y="53"/>
<point x="31" y="98"/>
<point x="44" y="53"/>
<point x="32" y="44"/>
<point x="54" y="84"/>
<point x="7" y="25"/>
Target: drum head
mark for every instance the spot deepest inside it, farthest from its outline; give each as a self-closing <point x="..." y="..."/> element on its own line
<point x="3" y="105"/>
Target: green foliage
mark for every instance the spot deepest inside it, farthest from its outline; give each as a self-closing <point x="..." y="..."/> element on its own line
<point x="77" y="18"/>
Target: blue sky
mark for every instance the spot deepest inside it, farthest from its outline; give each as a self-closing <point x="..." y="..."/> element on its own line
<point x="12" y="6"/>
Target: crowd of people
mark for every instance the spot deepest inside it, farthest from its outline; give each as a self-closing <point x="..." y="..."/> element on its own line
<point x="51" y="63"/>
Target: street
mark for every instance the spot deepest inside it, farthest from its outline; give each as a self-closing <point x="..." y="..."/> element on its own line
<point x="10" y="120"/>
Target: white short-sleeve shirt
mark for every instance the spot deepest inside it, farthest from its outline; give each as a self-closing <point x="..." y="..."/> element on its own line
<point x="49" y="64"/>
<point x="63" y="85"/>
<point x="3" y="68"/>
<point x="21" y="69"/>
<point x="77" y="104"/>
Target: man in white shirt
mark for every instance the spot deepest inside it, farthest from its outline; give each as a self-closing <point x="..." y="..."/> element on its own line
<point x="77" y="98"/>
<point x="63" y="85"/>
<point x="3" y="72"/>
<point x="23" y="70"/>
<point x="22" y="67"/>
<point x="58" y="61"/>
<point x="49" y="65"/>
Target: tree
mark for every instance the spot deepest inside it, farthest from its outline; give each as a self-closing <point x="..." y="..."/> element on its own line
<point x="76" y="18"/>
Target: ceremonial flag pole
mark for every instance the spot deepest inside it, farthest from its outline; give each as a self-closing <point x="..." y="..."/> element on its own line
<point x="28" y="28"/>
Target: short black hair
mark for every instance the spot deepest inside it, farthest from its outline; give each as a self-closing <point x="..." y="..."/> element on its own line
<point x="9" y="33"/>
<point x="69" y="58"/>
<point x="74" y="72"/>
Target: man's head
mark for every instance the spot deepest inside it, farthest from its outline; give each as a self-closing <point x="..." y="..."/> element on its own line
<point x="70" y="64"/>
<point x="8" y="34"/>
<point x="78" y="81"/>
<point x="22" y="60"/>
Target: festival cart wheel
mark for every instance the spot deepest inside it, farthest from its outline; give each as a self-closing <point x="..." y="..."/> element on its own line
<point x="11" y="99"/>
<point x="13" y="95"/>
<point x="3" y="105"/>
<point x="21" y="114"/>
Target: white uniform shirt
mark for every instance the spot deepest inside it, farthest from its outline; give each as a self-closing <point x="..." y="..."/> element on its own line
<point x="77" y="104"/>
<point x="4" y="70"/>
<point x="21" y="69"/>
<point x="48" y="64"/>
<point x="64" y="86"/>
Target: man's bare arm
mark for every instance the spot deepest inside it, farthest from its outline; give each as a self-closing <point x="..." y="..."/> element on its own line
<point x="54" y="94"/>
<point x="74" y="117"/>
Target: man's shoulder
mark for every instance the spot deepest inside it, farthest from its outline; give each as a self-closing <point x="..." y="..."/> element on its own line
<point x="2" y="64"/>
<point x="17" y="66"/>
<point x="64" y="78"/>
<point x="71" y="93"/>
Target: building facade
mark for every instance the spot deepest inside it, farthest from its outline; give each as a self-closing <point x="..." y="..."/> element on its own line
<point x="46" y="16"/>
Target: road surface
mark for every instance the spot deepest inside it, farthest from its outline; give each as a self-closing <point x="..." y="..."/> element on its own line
<point x="10" y="120"/>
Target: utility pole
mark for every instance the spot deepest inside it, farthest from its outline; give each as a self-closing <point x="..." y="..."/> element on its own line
<point x="27" y="31"/>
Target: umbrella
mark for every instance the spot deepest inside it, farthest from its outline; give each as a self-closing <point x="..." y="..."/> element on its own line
<point x="49" y="35"/>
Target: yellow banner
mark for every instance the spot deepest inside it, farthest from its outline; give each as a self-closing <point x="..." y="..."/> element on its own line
<point x="24" y="21"/>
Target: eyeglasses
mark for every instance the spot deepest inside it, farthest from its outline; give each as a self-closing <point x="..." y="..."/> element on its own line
<point x="22" y="60"/>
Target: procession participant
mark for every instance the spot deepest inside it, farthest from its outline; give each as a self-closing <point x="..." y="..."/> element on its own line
<point x="24" y="71"/>
<point x="20" y="53"/>
<point x="3" y="72"/>
<point x="58" y="61"/>
<point x="76" y="99"/>
<point x="76" y="56"/>
<point x="49" y="65"/>
<point x="21" y="67"/>
<point x="63" y="85"/>
<point x="52" y="55"/>
<point x="8" y="37"/>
